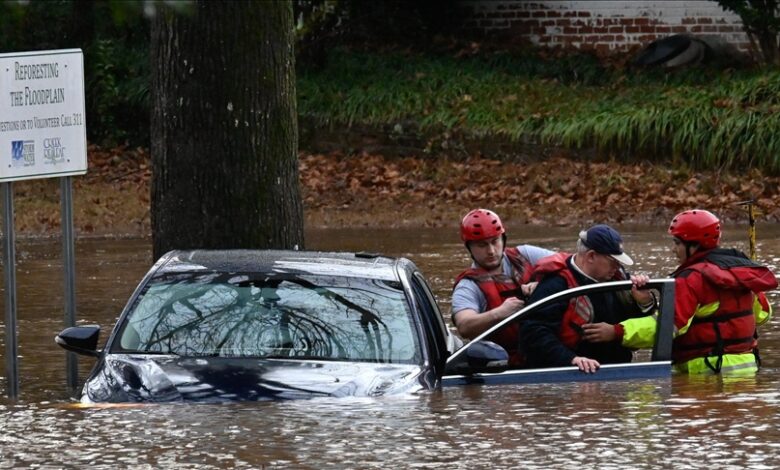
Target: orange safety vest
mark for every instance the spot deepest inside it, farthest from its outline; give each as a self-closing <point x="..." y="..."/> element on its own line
<point x="500" y="287"/>
<point x="580" y="309"/>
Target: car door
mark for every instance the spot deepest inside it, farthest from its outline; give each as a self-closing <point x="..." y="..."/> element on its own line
<point x="658" y="365"/>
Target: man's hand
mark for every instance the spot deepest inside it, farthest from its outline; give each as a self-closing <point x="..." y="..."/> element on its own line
<point x="586" y="365"/>
<point x="598" y="332"/>
<point x="510" y="306"/>
<point x="642" y="297"/>
<point x="528" y="289"/>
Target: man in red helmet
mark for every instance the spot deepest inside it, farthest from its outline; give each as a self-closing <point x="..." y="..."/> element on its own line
<point x="719" y="300"/>
<point x="497" y="281"/>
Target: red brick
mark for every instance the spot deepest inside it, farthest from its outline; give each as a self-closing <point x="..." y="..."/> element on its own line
<point x="663" y="29"/>
<point x="553" y="14"/>
<point x="679" y="29"/>
<point x="618" y="29"/>
<point x="583" y="13"/>
<point x="641" y="21"/>
<point x="524" y="14"/>
<point x="569" y="30"/>
<point x="689" y="21"/>
<point x="547" y="23"/>
<point x="586" y="30"/>
<point x="703" y="20"/>
<point x="695" y="29"/>
<point x="538" y="14"/>
<point x="632" y="29"/>
<point x="604" y="29"/>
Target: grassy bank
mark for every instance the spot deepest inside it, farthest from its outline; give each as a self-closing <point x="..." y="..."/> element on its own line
<point x="705" y="117"/>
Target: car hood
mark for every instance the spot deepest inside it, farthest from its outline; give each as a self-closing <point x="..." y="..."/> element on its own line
<point x="155" y="378"/>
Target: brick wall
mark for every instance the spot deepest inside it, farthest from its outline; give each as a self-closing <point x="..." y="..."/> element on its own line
<point x="601" y="25"/>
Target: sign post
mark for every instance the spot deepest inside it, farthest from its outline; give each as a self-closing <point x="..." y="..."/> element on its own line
<point x="43" y="134"/>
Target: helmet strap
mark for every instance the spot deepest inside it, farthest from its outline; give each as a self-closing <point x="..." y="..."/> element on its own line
<point x="689" y="247"/>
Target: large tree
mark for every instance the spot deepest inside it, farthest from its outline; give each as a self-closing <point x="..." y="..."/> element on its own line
<point x="224" y="133"/>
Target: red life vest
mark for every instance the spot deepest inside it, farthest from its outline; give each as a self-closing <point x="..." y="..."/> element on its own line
<point x="498" y="288"/>
<point x="580" y="309"/>
<point x="733" y="281"/>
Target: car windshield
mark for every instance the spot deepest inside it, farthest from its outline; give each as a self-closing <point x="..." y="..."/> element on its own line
<point x="271" y="316"/>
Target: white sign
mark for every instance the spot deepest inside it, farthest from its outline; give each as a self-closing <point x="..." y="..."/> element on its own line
<point x="43" y="132"/>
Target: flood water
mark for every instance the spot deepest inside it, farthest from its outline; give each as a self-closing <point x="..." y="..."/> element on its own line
<point x="682" y="422"/>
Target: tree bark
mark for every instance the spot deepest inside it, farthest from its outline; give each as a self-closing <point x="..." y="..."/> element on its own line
<point x="224" y="133"/>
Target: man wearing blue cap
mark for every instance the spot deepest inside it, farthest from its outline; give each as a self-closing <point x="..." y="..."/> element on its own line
<point x="552" y="336"/>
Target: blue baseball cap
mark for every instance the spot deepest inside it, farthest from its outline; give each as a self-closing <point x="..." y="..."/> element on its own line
<point x="607" y="241"/>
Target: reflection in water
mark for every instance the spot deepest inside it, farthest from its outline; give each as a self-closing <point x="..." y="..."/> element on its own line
<point x="683" y="422"/>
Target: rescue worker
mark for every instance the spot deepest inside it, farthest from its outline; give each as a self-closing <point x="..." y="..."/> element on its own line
<point x="718" y="301"/>
<point x="496" y="283"/>
<point x="552" y="336"/>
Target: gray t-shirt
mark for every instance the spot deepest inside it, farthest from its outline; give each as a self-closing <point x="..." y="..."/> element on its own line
<point x="467" y="294"/>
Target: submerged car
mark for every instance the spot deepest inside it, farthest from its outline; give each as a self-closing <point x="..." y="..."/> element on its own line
<point x="223" y="325"/>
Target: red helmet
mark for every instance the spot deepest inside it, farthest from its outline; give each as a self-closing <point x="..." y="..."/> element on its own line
<point x="696" y="226"/>
<point x="480" y="224"/>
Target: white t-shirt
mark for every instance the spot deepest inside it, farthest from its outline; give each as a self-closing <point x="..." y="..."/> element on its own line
<point x="468" y="295"/>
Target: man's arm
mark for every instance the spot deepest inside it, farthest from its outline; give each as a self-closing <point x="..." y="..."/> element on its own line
<point x="640" y="332"/>
<point x="539" y="332"/>
<point x="471" y="323"/>
<point x="469" y="312"/>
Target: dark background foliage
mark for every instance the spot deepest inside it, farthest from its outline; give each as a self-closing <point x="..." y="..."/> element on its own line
<point x="115" y="39"/>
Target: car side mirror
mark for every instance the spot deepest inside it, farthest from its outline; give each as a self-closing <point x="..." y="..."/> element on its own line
<point x="80" y="339"/>
<point x="479" y="357"/>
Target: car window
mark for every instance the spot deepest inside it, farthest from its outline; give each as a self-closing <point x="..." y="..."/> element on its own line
<point x="428" y="296"/>
<point x="237" y="315"/>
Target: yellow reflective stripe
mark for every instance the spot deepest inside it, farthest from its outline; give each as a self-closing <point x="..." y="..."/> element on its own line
<point x="640" y="332"/>
<point x="733" y="364"/>
<point x="701" y="311"/>
<point x="706" y="310"/>
<point x="762" y="316"/>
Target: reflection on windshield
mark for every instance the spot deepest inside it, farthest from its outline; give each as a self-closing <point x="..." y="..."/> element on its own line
<point x="237" y="315"/>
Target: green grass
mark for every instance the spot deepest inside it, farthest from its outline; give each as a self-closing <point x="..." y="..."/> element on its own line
<point x="706" y="118"/>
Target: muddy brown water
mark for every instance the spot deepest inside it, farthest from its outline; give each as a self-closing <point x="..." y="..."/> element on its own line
<point x="681" y="422"/>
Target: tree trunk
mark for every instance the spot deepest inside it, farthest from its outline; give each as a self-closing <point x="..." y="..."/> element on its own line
<point x="224" y="134"/>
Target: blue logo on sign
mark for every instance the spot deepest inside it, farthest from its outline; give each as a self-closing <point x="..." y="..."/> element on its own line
<point x="17" y="147"/>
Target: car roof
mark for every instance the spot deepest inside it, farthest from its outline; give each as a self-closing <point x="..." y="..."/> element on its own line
<point x="347" y="264"/>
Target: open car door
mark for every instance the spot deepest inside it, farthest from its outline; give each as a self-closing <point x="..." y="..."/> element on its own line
<point x="457" y="371"/>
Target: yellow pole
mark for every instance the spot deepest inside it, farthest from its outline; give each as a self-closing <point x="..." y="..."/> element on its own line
<point x="751" y="225"/>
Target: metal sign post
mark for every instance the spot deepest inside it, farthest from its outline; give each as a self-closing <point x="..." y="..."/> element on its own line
<point x="69" y="265"/>
<point x="43" y="134"/>
<point x="9" y="263"/>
